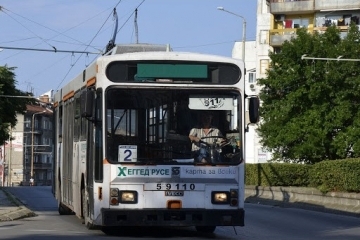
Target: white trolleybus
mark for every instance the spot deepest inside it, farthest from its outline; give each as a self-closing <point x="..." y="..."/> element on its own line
<point x="123" y="153"/>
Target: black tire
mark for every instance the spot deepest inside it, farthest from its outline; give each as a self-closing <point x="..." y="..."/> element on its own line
<point x="61" y="209"/>
<point x="83" y="206"/>
<point x="110" y="231"/>
<point x="205" y="229"/>
<point x="64" y="210"/>
<point x="85" y="211"/>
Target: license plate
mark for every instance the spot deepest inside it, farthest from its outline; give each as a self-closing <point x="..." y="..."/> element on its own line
<point x="174" y="187"/>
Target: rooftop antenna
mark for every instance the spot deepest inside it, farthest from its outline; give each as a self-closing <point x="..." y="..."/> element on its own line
<point x="136" y="27"/>
<point x="111" y="43"/>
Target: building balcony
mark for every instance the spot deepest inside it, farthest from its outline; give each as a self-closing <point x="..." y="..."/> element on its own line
<point x="334" y="5"/>
<point x="38" y="166"/>
<point x="277" y="37"/>
<point x="309" y="6"/>
<point x="42" y="149"/>
<point x="38" y="131"/>
<point x="292" y="6"/>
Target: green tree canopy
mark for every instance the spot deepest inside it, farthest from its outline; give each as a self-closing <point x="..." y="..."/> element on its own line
<point x="10" y="106"/>
<point x="311" y="108"/>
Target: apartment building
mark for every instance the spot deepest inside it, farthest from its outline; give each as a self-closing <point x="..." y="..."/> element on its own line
<point x="29" y="151"/>
<point x="277" y="21"/>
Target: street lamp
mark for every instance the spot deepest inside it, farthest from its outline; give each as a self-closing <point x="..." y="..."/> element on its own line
<point x="244" y="30"/>
<point x="32" y="143"/>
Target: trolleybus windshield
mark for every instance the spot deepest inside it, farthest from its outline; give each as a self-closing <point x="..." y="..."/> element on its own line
<point x="151" y="126"/>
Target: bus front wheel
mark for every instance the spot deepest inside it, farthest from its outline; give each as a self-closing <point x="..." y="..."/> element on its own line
<point x="205" y="229"/>
<point x="63" y="210"/>
<point x="85" y="211"/>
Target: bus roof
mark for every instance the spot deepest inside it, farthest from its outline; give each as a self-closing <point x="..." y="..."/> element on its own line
<point x="139" y="47"/>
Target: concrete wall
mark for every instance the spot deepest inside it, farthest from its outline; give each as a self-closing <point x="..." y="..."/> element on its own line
<point x="307" y="198"/>
<point x="336" y="4"/>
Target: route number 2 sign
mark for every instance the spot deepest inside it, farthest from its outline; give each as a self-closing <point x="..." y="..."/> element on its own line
<point x="127" y="153"/>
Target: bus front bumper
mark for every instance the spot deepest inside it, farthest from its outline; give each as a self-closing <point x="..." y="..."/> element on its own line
<point x="171" y="217"/>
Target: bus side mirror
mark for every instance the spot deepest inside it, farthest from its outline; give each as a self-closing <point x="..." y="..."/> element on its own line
<point x="254" y="104"/>
<point x="87" y="102"/>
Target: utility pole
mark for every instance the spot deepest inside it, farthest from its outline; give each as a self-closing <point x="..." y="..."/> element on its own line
<point x="2" y="163"/>
<point x="10" y="154"/>
<point x="243" y="29"/>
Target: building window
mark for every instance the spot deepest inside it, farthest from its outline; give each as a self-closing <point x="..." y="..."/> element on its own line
<point x="36" y="158"/>
<point x="37" y="124"/>
<point x="299" y="23"/>
<point x="36" y="140"/>
<point x="264" y="37"/>
<point x="46" y="124"/>
<point x="27" y="122"/>
<point x="41" y="175"/>
<point x="252" y="77"/>
<point x="264" y="65"/>
<point x="277" y="50"/>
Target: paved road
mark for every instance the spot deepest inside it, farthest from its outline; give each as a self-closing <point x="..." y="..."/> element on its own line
<point x="48" y="224"/>
<point x="261" y="222"/>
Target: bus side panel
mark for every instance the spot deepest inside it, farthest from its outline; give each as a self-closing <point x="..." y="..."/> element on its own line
<point x="241" y="181"/>
<point x="67" y="166"/>
<point x="56" y="174"/>
<point x="76" y="180"/>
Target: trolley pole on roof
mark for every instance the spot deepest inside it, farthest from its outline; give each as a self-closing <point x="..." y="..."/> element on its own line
<point x="136" y="27"/>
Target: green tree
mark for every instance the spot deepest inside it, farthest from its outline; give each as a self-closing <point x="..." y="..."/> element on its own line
<point x="10" y="106"/>
<point x="311" y="108"/>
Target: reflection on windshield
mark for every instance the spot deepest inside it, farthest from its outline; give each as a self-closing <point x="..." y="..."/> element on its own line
<point x="117" y="120"/>
<point x="153" y="127"/>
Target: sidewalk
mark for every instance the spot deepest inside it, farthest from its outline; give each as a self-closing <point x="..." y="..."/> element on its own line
<point x="11" y="208"/>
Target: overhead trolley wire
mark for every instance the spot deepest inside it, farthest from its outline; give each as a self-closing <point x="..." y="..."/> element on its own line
<point x="58" y="33"/>
<point x="48" y="50"/>
<point x="86" y="48"/>
<point x="1" y="9"/>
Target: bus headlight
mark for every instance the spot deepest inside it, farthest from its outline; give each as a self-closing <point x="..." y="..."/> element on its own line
<point x="128" y="197"/>
<point x="220" y="197"/>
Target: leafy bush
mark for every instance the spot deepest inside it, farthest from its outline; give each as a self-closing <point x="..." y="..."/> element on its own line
<point x="277" y="174"/>
<point x="336" y="175"/>
<point x="332" y="175"/>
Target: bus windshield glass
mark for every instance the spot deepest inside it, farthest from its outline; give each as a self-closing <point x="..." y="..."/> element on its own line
<point x="152" y="126"/>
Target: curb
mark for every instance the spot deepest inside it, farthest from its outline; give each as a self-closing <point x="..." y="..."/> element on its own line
<point x="305" y="198"/>
<point x="21" y="212"/>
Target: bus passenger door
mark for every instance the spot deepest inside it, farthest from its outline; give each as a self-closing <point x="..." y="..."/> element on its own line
<point x="88" y="112"/>
<point x="90" y="167"/>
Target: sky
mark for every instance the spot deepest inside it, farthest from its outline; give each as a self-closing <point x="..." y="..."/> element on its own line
<point x="88" y="25"/>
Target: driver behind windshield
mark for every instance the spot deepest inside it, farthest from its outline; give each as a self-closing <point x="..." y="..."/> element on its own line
<point x="203" y="137"/>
